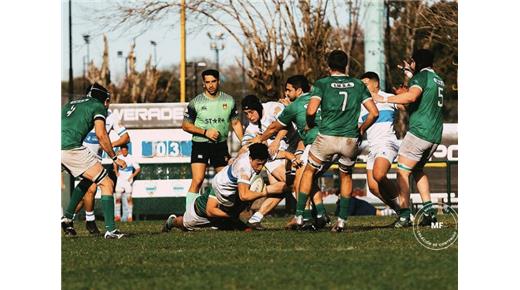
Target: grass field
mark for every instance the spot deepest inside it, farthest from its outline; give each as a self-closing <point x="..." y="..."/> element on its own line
<point x="367" y="256"/>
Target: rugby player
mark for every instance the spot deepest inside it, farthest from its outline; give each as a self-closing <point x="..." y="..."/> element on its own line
<point x="77" y="119"/>
<point x="425" y="101"/>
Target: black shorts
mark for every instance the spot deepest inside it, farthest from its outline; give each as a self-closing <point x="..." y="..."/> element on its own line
<point x="216" y="153"/>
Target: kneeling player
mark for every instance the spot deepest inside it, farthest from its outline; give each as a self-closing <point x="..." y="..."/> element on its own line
<point x="228" y="193"/>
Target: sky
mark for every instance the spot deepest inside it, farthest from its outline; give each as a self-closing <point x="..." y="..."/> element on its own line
<point x="166" y="37"/>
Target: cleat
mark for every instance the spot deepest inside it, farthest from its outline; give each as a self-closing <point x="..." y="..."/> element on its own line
<point x="307" y="227"/>
<point x="291" y="225"/>
<point x="256" y="226"/>
<point x="92" y="228"/>
<point x="168" y="225"/>
<point x="427" y="220"/>
<point x="403" y="223"/>
<point x="321" y="222"/>
<point x="68" y="227"/>
<point x="338" y="227"/>
<point x="115" y="234"/>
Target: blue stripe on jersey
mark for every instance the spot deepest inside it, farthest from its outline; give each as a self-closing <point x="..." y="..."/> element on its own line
<point x="230" y="175"/>
<point x="384" y="116"/>
<point x="121" y="131"/>
<point x="91" y="138"/>
<point x="127" y="169"/>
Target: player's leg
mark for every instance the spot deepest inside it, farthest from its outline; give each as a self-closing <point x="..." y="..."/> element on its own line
<point x="277" y="181"/>
<point x="88" y="204"/>
<point x="387" y="189"/>
<point x="199" y="162"/>
<point x="423" y="186"/>
<point x="129" y="204"/>
<point x="404" y="169"/>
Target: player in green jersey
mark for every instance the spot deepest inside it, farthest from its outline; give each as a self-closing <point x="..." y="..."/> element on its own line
<point x="425" y="99"/>
<point x="207" y="118"/>
<point x="297" y="90"/>
<point x="77" y="120"/>
<point x="340" y="98"/>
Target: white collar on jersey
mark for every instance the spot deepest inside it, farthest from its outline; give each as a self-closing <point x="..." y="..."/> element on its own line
<point x="338" y="75"/>
<point x="428" y="69"/>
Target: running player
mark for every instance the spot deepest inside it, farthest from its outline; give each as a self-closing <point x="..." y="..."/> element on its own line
<point x="228" y="194"/>
<point x="297" y="91"/>
<point x="125" y="179"/>
<point x="77" y="119"/>
<point x="260" y="116"/>
<point x="207" y="118"/>
<point x="383" y="145"/>
<point x="92" y="143"/>
<point x="340" y="98"/>
<point x="425" y="99"/>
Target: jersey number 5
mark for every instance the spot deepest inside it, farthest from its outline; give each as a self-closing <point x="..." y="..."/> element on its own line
<point x="345" y="97"/>
<point x="439" y="93"/>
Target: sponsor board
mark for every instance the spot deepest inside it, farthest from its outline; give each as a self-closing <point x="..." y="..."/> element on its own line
<point x="158" y="188"/>
<point x="150" y="115"/>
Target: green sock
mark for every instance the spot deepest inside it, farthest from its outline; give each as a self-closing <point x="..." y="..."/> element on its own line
<point x="343" y="207"/>
<point x="300" y="205"/>
<point x="190" y="197"/>
<point x="404" y="213"/>
<point x="77" y="195"/>
<point x="107" y="203"/>
<point x="307" y="214"/>
<point x="320" y="209"/>
<point x="428" y="208"/>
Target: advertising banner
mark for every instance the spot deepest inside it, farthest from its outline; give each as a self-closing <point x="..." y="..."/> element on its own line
<point x="150" y="115"/>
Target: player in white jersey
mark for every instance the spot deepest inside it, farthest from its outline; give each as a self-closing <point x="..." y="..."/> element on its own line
<point x="228" y="194"/>
<point x="125" y="179"/>
<point x="112" y="123"/>
<point x="260" y="116"/>
<point x="383" y="145"/>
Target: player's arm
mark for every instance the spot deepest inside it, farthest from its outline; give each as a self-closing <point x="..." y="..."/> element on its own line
<point x="247" y="195"/>
<point x="104" y="141"/>
<point x="373" y="114"/>
<point x="312" y="108"/>
<point x="237" y="128"/>
<point x="272" y="129"/>
<point x="411" y="96"/>
<point x="289" y="156"/>
<point x="137" y="170"/>
<point x="188" y="125"/>
<point x="121" y="131"/>
<point x="212" y="209"/>
<point x="275" y="145"/>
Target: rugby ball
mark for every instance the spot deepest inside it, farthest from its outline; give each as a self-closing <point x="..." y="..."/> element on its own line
<point x="257" y="183"/>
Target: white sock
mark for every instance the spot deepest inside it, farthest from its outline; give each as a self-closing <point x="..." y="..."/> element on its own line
<point x="117" y="207"/>
<point x="256" y="218"/>
<point x="341" y="223"/>
<point x="89" y="216"/>
<point x="124" y="205"/>
<point x="130" y="208"/>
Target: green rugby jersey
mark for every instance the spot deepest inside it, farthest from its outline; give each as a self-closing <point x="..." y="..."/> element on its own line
<point x="77" y="119"/>
<point x="341" y="98"/>
<point x="426" y="112"/>
<point x="208" y="113"/>
<point x="296" y="112"/>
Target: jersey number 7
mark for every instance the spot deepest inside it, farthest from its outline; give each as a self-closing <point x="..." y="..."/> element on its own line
<point x="345" y="97"/>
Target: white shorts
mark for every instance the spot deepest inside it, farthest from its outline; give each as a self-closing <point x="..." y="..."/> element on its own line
<point x="417" y="149"/>
<point x="324" y="166"/>
<point x="124" y="185"/>
<point x="191" y="220"/>
<point x="387" y="150"/>
<point x="78" y="160"/>
<point x="271" y="166"/>
<point x="325" y="147"/>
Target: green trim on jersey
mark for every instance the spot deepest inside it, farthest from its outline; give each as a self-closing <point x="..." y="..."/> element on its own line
<point x="341" y="98"/>
<point x="426" y="119"/>
<point x="296" y="112"/>
<point x="206" y="113"/>
<point x="77" y="119"/>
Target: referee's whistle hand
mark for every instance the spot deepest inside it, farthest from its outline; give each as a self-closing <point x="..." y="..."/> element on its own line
<point x="212" y="134"/>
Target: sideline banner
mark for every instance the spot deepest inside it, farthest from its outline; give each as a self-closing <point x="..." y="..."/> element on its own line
<point x="158" y="188"/>
<point x="150" y="115"/>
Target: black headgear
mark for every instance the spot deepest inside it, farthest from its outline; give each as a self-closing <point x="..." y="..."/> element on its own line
<point x="251" y="102"/>
<point x="97" y="91"/>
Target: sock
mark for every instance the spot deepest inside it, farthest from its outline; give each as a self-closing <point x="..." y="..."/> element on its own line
<point x="394" y="204"/>
<point x="130" y="209"/>
<point x="320" y="208"/>
<point x="190" y="197"/>
<point x="307" y="214"/>
<point x="256" y="218"/>
<point x="89" y="216"/>
<point x="343" y="207"/>
<point x="428" y="208"/>
<point x="300" y="205"/>
<point x="77" y="195"/>
<point x="117" y="207"/>
<point x="107" y="203"/>
<point x="404" y="213"/>
<point x="124" y="206"/>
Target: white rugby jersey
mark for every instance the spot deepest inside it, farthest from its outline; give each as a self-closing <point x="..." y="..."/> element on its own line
<point x="271" y="110"/>
<point x="383" y="128"/>
<point x="131" y="165"/>
<point x="225" y="183"/>
<point x="111" y="123"/>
